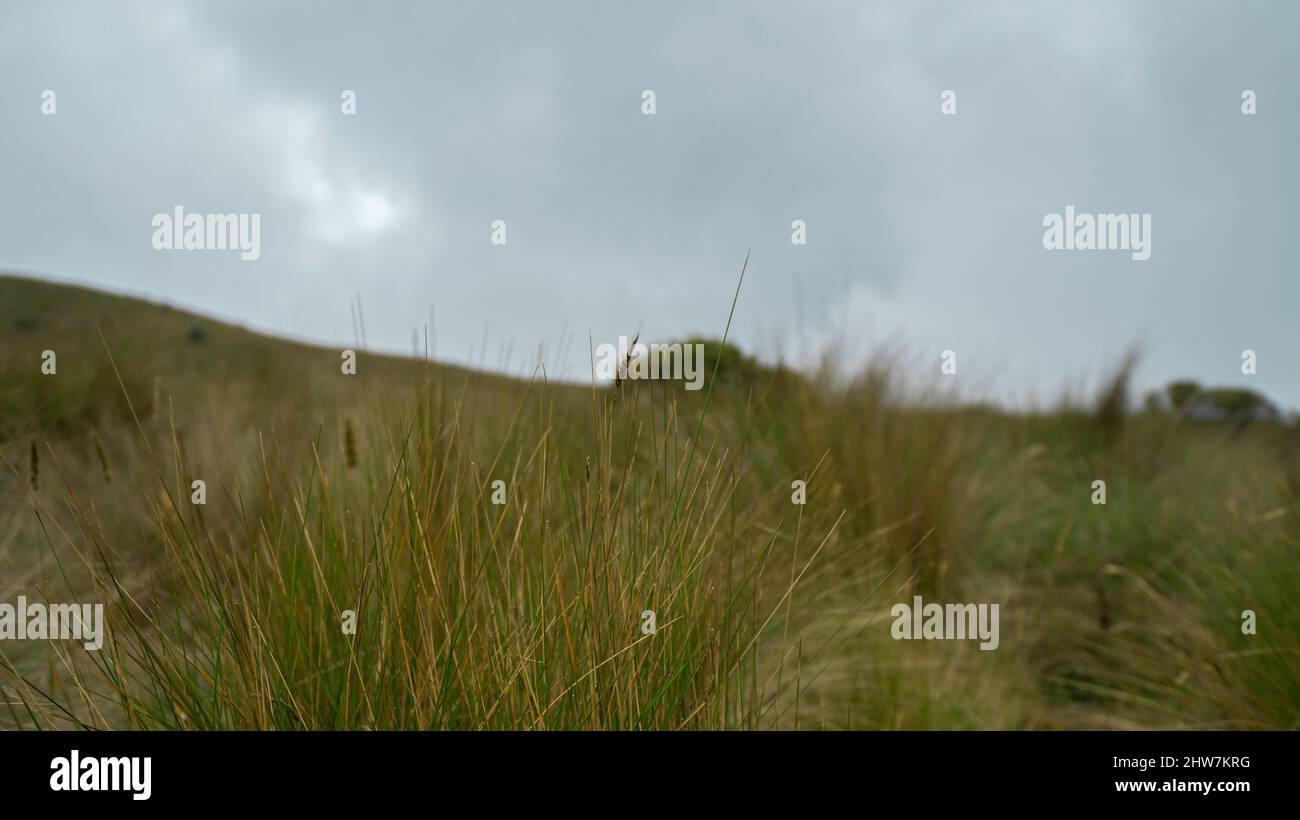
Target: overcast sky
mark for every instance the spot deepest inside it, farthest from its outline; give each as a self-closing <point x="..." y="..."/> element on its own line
<point x="924" y="231"/>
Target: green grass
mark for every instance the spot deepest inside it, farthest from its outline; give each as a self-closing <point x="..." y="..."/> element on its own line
<point x="528" y="614"/>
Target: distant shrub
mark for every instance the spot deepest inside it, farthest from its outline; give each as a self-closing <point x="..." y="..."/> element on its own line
<point x="1181" y="392"/>
<point x="1233" y="404"/>
<point x="1220" y="404"/>
<point x="729" y="366"/>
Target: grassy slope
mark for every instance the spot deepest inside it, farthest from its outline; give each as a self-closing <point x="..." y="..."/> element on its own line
<point x="373" y="493"/>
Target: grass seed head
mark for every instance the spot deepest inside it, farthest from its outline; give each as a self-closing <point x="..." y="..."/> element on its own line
<point x="103" y="459"/>
<point x="349" y="444"/>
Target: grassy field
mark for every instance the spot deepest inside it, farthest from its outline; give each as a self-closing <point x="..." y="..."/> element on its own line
<point x="373" y="493"/>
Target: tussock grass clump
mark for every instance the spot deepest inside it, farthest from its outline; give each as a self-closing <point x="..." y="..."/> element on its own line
<point x="528" y="614"/>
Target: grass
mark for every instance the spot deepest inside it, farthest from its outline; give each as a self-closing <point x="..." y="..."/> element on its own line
<point x="372" y="494"/>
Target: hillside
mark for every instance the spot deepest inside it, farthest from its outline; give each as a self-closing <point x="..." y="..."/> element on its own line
<point x="160" y="351"/>
<point x="523" y="604"/>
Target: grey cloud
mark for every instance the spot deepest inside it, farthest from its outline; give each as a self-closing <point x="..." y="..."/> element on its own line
<point x="922" y="228"/>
